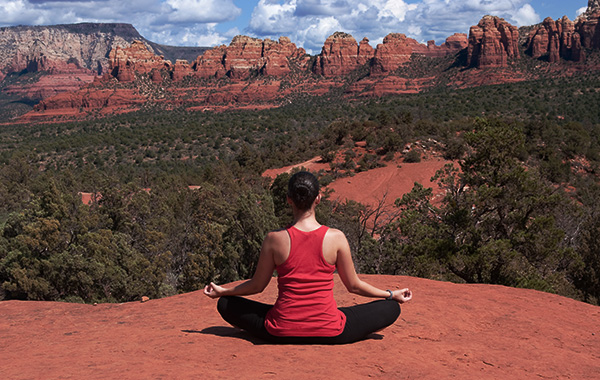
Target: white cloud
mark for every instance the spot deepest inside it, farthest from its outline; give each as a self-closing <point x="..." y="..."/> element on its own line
<point x="310" y="22"/>
<point x="526" y="15"/>
<point x="319" y="31"/>
<point x="271" y="18"/>
<point x="202" y="11"/>
<point x="306" y="21"/>
<point x="580" y="11"/>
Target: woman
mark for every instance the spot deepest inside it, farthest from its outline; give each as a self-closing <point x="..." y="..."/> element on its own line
<point x="305" y="256"/>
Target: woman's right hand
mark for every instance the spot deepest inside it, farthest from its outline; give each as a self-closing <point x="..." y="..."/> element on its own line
<point x="402" y="295"/>
<point x="213" y="290"/>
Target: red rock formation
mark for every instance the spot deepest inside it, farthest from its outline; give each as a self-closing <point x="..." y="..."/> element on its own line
<point x="341" y="55"/>
<point x="395" y="50"/>
<point x="50" y="85"/>
<point x="181" y="69"/>
<point x="91" y="99"/>
<point x="246" y="56"/>
<point x="277" y="56"/>
<point x="492" y="43"/>
<point x="156" y="76"/>
<point x="210" y="64"/>
<point x="452" y="45"/>
<point x="588" y="29"/>
<point x="556" y="40"/>
<point x="126" y="62"/>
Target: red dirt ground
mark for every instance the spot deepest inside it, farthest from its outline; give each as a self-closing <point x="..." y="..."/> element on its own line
<point x="446" y="331"/>
<point x="395" y="179"/>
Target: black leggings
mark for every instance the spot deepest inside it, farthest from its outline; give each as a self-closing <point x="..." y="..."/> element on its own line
<point x="361" y="320"/>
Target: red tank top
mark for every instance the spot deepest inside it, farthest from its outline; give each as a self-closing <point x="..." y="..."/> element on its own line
<point x="305" y="305"/>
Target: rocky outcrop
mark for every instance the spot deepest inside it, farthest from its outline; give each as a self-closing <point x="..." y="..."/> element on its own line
<point x="566" y="39"/>
<point x="588" y="28"/>
<point x="452" y="45"/>
<point x="95" y="99"/>
<point x="555" y="40"/>
<point x="341" y="55"/>
<point x="181" y="69"/>
<point x="592" y="8"/>
<point x="247" y="56"/>
<point x="126" y="62"/>
<point x="61" y="48"/>
<point x="395" y="50"/>
<point x="492" y="43"/>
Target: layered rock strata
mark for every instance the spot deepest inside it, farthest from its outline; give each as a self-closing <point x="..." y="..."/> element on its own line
<point x="556" y="40"/>
<point x="125" y="62"/>
<point x="341" y="54"/>
<point x="247" y="56"/>
<point x="60" y="48"/>
<point x="493" y="42"/>
<point x="566" y="39"/>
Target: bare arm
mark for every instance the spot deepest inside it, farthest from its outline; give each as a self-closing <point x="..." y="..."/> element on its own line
<point x="258" y="282"/>
<point x="353" y="283"/>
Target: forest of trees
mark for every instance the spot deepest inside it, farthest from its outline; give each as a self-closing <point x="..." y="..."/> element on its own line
<point x="520" y="207"/>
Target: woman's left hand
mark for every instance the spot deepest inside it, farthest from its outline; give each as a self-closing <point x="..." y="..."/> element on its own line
<point x="402" y="295"/>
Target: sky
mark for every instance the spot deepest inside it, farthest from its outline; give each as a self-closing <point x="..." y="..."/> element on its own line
<point x="307" y="23"/>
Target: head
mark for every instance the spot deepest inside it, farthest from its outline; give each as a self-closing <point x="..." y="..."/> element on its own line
<point x="303" y="189"/>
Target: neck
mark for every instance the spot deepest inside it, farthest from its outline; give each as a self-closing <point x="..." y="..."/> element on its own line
<point x="305" y="219"/>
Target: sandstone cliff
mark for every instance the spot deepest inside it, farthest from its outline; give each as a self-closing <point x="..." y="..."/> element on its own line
<point x="566" y="39"/>
<point x="492" y="43"/>
<point x="341" y="54"/>
<point x="247" y="56"/>
<point x="556" y="40"/>
<point x="125" y="62"/>
<point x="61" y="48"/>
<point x="266" y="73"/>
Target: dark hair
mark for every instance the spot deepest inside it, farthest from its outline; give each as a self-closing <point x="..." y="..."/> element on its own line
<point x="303" y="189"/>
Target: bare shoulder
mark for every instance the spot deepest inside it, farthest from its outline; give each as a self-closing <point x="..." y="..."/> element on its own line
<point x="334" y="232"/>
<point x="335" y="236"/>
<point x="276" y="238"/>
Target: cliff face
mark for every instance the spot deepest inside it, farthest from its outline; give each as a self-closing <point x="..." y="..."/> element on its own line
<point x="566" y="39"/>
<point x="246" y="56"/>
<point x="492" y="43"/>
<point x="556" y="39"/>
<point x="341" y="54"/>
<point x="125" y="62"/>
<point x="61" y="48"/>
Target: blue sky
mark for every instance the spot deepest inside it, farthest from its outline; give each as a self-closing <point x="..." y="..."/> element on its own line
<point x="307" y="22"/>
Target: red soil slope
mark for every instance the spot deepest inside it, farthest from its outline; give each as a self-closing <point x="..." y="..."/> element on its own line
<point x="394" y="180"/>
<point x="447" y="331"/>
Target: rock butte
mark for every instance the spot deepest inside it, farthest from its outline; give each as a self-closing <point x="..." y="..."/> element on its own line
<point x="266" y="72"/>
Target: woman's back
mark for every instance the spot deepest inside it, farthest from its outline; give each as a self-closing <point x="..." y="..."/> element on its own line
<point x="305" y="305"/>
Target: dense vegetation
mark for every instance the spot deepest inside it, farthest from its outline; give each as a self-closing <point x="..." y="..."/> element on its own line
<point x="520" y="208"/>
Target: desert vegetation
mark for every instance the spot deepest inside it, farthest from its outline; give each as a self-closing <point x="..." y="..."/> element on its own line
<point x="520" y="205"/>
